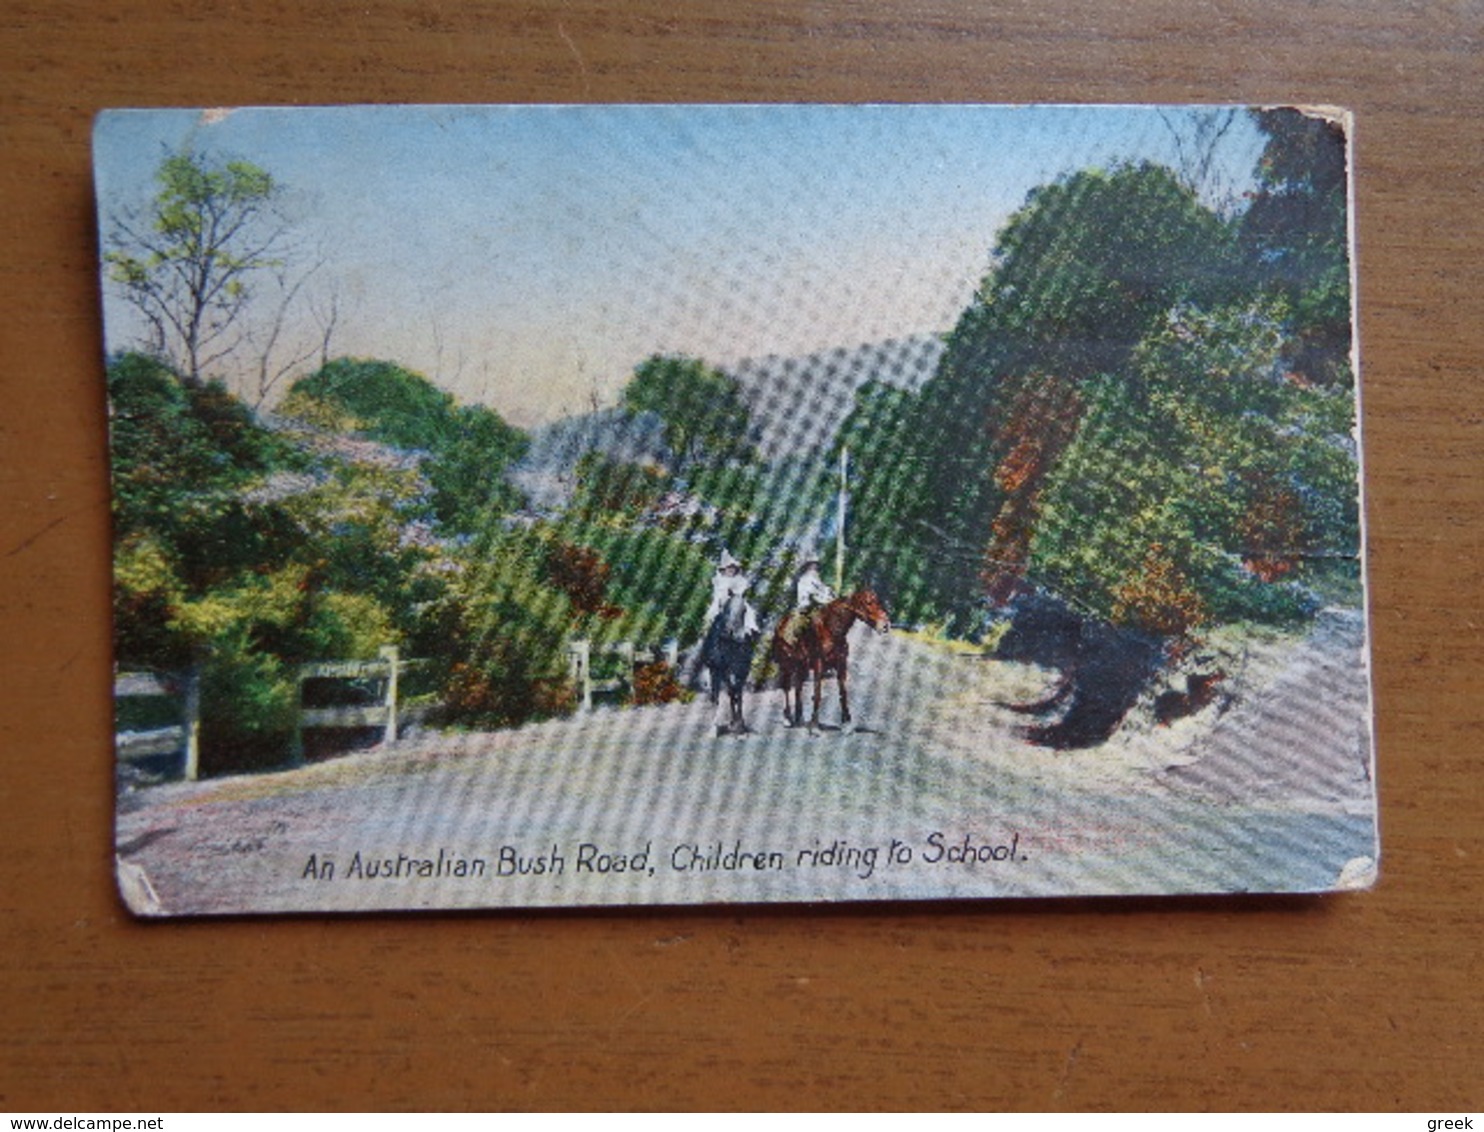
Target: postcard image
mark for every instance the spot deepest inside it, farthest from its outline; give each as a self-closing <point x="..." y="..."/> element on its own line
<point x="557" y="506"/>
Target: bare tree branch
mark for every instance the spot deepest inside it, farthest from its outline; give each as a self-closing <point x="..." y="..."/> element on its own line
<point x="188" y="263"/>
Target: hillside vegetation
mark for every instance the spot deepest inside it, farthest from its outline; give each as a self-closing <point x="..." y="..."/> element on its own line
<point x="1140" y="429"/>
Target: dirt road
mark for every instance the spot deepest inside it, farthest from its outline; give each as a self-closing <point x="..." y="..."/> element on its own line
<point x="929" y="794"/>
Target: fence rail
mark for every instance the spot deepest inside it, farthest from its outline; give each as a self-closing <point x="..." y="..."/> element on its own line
<point x="580" y="655"/>
<point x="389" y="714"/>
<point x="184" y="736"/>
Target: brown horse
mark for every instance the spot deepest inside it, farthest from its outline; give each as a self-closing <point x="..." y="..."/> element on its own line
<point x="821" y="646"/>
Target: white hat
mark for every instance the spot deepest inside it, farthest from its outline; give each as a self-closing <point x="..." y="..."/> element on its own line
<point x="727" y="560"/>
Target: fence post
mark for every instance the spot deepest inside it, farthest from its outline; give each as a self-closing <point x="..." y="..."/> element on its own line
<point x="191" y="721"/>
<point x="296" y="745"/>
<point x="626" y="656"/>
<point x="390" y="654"/>
<point x="581" y="667"/>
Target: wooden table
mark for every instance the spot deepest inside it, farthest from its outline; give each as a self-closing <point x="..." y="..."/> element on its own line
<point x="1362" y="1001"/>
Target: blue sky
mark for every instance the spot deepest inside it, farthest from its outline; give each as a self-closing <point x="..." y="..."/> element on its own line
<point x="529" y="257"/>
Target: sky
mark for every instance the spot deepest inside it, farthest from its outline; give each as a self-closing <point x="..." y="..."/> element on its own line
<point x="528" y="258"/>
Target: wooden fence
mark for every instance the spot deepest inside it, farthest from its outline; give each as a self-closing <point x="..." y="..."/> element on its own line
<point x="388" y="714"/>
<point x="580" y="655"/>
<point x="183" y="737"/>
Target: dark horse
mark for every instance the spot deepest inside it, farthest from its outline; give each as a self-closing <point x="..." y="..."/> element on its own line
<point x="821" y="646"/>
<point x="727" y="655"/>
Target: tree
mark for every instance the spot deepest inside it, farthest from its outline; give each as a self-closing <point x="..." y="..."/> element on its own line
<point x="1122" y="414"/>
<point x="1089" y="266"/>
<point x="470" y="446"/>
<point x="1296" y="242"/>
<point x="702" y="409"/>
<point x="1200" y="484"/>
<point x="1198" y="135"/>
<point x="189" y="262"/>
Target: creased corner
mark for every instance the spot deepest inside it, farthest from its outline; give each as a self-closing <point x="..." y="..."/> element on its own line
<point x="135" y="889"/>
<point x="1357" y="875"/>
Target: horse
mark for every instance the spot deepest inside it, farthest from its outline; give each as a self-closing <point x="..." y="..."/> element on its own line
<point x="727" y="655"/>
<point x="819" y="646"/>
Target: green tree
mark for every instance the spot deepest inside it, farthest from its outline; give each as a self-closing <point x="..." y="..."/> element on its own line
<point x="702" y="409"/>
<point x="182" y="456"/>
<point x="615" y="490"/>
<point x="252" y="552"/>
<point x="470" y="446"/>
<point x="380" y="399"/>
<point x="1082" y="273"/>
<point x="1088" y="265"/>
<point x="189" y="262"/>
<point x="1295" y="239"/>
<point x="1202" y="486"/>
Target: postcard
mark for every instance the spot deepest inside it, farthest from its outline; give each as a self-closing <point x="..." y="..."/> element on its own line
<point x="558" y="506"/>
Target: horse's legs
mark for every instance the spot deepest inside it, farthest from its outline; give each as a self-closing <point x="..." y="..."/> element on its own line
<point x="818" y="694"/>
<point x="844" y="699"/>
<point x="720" y="712"/>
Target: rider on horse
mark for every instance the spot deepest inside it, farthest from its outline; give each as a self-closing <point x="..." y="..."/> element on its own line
<point x="729" y="581"/>
<point x="732" y="631"/>
<point x="810" y="594"/>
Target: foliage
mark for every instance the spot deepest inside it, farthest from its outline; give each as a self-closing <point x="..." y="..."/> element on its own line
<point x="655" y="683"/>
<point x="1143" y="409"/>
<point x="188" y="266"/>
<point x="661" y="578"/>
<point x="1295" y="240"/>
<point x="615" y="489"/>
<point x="1088" y="265"/>
<point x="167" y="436"/>
<point x="581" y="574"/>
<point x="503" y="628"/>
<point x="249" y="553"/>
<point x="702" y="409"/>
<point x="948" y="493"/>
<point x="469" y="446"/>
<point x="893" y="516"/>
<point x="1203" y="474"/>
<point x="381" y="400"/>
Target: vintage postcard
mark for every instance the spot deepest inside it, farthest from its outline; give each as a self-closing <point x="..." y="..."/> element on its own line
<point x="636" y="505"/>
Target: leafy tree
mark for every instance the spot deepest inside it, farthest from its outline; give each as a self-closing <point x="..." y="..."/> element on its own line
<point x="893" y="520"/>
<point x="251" y="552"/>
<point x="1295" y="239"/>
<point x="1088" y="265"/>
<point x="661" y="579"/>
<point x="381" y="400"/>
<point x="616" y="489"/>
<point x="470" y="445"/>
<point x="468" y="474"/>
<point x="1125" y="414"/>
<point x="182" y="457"/>
<point x="702" y="409"/>
<point x="1202" y="486"/>
<point x="1083" y="272"/>
<point x="501" y="631"/>
<point x="189" y="263"/>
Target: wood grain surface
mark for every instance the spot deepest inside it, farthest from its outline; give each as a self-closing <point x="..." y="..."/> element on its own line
<point x="1368" y="1001"/>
